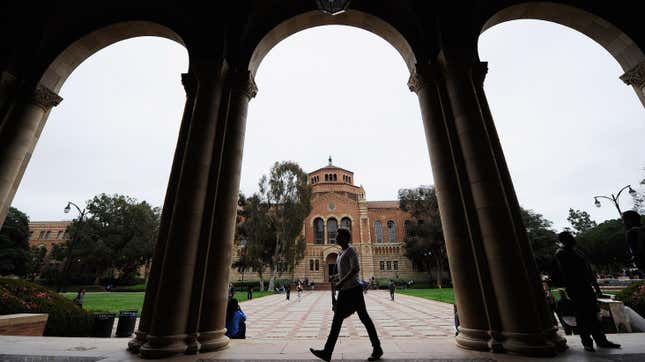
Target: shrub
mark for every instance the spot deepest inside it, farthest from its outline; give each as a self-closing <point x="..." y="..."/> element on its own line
<point x="66" y="319"/>
<point x="634" y="297"/>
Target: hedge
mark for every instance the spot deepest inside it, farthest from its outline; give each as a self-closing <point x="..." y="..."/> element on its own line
<point x="66" y="319"/>
<point x="634" y="297"/>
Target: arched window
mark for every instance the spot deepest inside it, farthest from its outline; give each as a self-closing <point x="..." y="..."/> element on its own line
<point x="346" y="223"/>
<point x="406" y="229"/>
<point x="332" y="228"/>
<point x="326" y="177"/>
<point x="319" y="231"/>
<point x="335" y="177"/>
<point x="378" y="231"/>
<point x="391" y="231"/>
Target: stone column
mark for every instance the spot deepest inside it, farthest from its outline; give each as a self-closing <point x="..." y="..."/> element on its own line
<point x="222" y="225"/>
<point x="18" y="136"/>
<point x="189" y="84"/>
<point x="636" y="78"/>
<point x="474" y="293"/>
<point x="525" y="325"/>
<point x="172" y="300"/>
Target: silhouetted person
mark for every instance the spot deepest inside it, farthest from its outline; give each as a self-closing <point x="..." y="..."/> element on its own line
<point x="249" y="293"/>
<point x="392" y="288"/>
<point x="235" y="320"/>
<point x="635" y="237"/>
<point x="80" y="296"/>
<point x="288" y="290"/>
<point x="580" y="283"/>
<point x="350" y="299"/>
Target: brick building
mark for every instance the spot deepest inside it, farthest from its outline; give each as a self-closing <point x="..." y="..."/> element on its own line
<point x="378" y="230"/>
<point x="47" y="233"/>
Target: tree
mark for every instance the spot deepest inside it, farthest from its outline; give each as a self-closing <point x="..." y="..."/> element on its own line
<point x="580" y="220"/>
<point x="256" y="235"/>
<point x="36" y="261"/>
<point x="541" y="238"/>
<point x="14" y="243"/>
<point x="605" y="246"/>
<point x="288" y="196"/>
<point x="425" y="245"/>
<point x="119" y="234"/>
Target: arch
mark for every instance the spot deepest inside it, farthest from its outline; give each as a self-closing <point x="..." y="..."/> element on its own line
<point x="332" y="228"/>
<point x="315" y="18"/>
<point x="319" y="231"/>
<point x="614" y="40"/>
<point x="378" y="231"/>
<point x="76" y="53"/>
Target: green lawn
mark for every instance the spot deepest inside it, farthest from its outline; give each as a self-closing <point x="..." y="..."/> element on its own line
<point x="446" y="295"/>
<point x="114" y="302"/>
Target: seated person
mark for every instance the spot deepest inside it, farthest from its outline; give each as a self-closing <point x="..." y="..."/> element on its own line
<point x="235" y="320"/>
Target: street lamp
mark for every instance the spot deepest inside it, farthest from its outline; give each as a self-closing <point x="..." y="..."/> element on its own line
<point x="72" y="243"/>
<point x="614" y="198"/>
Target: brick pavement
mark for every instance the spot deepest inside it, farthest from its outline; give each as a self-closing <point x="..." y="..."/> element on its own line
<point x="273" y="317"/>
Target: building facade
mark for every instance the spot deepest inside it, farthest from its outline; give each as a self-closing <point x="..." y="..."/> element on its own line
<point x="378" y="231"/>
<point x="47" y="233"/>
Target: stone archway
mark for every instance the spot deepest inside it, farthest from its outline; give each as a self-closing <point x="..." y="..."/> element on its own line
<point x="623" y="48"/>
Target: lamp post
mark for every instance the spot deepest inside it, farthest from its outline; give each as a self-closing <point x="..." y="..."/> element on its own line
<point x="70" y="248"/>
<point x="614" y="198"/>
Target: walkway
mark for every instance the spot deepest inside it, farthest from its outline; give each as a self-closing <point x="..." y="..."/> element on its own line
<point x="410" y="328"/>
<point x="273" y="317"/>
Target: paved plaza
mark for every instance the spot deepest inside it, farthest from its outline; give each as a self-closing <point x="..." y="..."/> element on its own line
<point x="273" y="317"/>
<point x="410" y="328"/>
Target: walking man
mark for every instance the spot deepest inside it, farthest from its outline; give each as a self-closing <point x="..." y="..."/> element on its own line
<point x="350" y="300"/>
<point x="578" y="279"/>
<point x="392" y="288"/>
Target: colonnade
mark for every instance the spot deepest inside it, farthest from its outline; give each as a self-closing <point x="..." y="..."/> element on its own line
<point x="497" y="286"/>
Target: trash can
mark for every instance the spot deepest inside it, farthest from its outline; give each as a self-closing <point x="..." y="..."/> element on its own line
<point x="127" y="320"/>
<point x="103" y="323"/>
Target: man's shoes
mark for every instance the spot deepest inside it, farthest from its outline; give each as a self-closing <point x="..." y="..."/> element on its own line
<point x="376" y="354"/>
<point x="589" y="348"/>
<point x="608" y="344"/>
<point x="321" y="353"/>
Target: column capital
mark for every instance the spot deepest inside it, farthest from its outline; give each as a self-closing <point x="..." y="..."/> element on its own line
<point x="421" y="76"/>
<point x="44" y="98"/>
<point x="189" y="82"/>
<point x="242" y="81"/>
<point x="635" y="76"/>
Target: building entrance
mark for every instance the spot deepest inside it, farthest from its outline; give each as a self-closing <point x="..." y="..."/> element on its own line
<point x="331" y="265"/>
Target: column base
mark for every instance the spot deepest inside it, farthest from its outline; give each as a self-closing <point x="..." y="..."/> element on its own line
<point x="541" y="344"/>
<point x="213" y="340"/>
<point x="134" y="345"/>
<point x="193" y="344"/>
<point x="475" y="339"/>
<point x="163" y="346"/>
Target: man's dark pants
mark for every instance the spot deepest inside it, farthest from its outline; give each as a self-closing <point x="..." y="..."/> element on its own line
<point x="586" y="310"/>
<point x="350" y="301"/>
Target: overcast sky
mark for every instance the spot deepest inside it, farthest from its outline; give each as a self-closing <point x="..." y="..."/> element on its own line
<point x="569" y="127"/>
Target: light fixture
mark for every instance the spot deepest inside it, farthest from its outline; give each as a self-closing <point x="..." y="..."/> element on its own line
<point x="597" y="203"/>
<point x="632" y="192"/>
<point x="333" y="7"/>
<point x="67" y="208"/>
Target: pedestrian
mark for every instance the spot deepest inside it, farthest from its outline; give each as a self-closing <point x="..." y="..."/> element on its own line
<point x="80" y="296"/>
<point x="288" y="290"/>
<point x="249" y="293"/>
<point x="635" y="237"/>
<point x="299" y="289"/>
<point x="350" y="300"/>
<point x="235" y="320"/>
<point x="392" y="288"/>
<point x="580" y="283"/>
